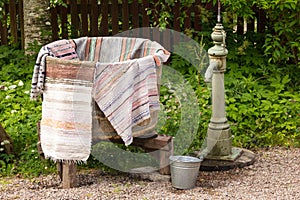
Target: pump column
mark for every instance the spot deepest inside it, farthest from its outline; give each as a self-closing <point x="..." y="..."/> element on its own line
<point x="219" y="153"/>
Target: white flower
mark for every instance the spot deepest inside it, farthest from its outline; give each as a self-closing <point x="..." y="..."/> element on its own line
<point x="20" y="83"/>
<point x="7" y="97"/>
<point x="13" y="111"/>
<point x="5" y="88"/>
<point x="26" y="92"/>
<point x="12" y="87"/>
<point x="4" y="142"/>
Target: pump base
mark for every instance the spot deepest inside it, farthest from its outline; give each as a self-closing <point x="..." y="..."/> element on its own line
<point x="240" y="158"/>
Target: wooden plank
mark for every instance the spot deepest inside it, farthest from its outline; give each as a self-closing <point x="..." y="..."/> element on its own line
<point x="104" y="18"/>
<point x="187" y="19"/>
<point x="135" y="13"/>
<point x="94" y="18"/>
<point x="261" y="21"/>
<point x="145" y="21"/>
<point x="160" y="142"/>
<point x="156" y="35"/>
<point x="3" y="28"/>
<point x="69" y="178"/>
<point x="74" y="20"/>
<point x="250" y="25"/>
<point x="197" y="19"/>
<point x="115" y="17"/>
<point x="145" y="6"/>
<point x="167" y="41"/>
<point x="240" y="26"/>
<point x="176" y="11"/>
<point x="84" y="18"/>
<point x="21" y="19"/>
<point x="176" y="24"/>
<point x="64" y="21"/>
<point x="13" y="21"/>
<point x="155" y="7"/>
<point x="54" y="23"/>
<point x="125" y="15"/>
<point x="39" y="144"/>
<point x="164" y="167"/>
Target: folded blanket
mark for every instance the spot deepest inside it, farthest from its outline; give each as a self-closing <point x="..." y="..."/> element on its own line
<point x="64" y="49"/>
<point x="125" y="92"/>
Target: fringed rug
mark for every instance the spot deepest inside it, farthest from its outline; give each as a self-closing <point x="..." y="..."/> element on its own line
<point x="66" y="126"/>
<point x="67" y="112"/>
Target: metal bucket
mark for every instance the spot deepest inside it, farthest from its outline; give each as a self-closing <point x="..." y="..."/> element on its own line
<point x="184" y="171"/>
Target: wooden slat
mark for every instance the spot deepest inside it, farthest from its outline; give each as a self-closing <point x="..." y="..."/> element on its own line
<point x="84" y="18"/>
<point x="261" y="21"/>
<point x="115" y="17"/>
<point x="13" y="21"/>
<point x="176" y="24"/>
<point x="64" y="21"/>
<point x="156" y="35"/>
<point x="176" y="11"/>
<point x="197" y="19"/>
<point x="74" y="20"/>
<point x="54" y="23"/>
<point x="135" y="13"/>
<point x="250" y="25"/>
<point x="240" y="26"/>
<point x="187" y="19"/>
<point x="3" y="27"/>
<point x="125" y="15"/>
<point x="21" y="18"/>
<point x="155" y="8"/>
<point x="145" y="21"/>
<point x="104" y="17"/>
<point x="94" y="18"/>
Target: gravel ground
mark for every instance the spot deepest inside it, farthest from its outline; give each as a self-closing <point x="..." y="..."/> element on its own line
<point x="274" y="175"/>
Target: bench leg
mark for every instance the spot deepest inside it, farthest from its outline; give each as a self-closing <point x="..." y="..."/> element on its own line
<point x="67" y="174"/>
<point x="164" y="155"/>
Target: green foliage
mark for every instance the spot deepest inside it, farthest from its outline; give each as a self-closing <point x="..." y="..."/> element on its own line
<point x="282" y="42"/>
<point x="19" y="115"/>
<point x="185" y="98"/>
<point x="262" y="102"/>
<point x="54" y="3"/>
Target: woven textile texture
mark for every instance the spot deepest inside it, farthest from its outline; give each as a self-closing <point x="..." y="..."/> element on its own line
<point x="64" y="49"/>
<point x="118" y="73"/>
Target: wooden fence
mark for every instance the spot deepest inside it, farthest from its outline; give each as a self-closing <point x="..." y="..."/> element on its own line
<point x="90" y="18"/>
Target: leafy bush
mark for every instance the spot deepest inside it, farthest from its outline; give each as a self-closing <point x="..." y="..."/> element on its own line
<point x="262" y="99"/>
<point x="19" y="115"/>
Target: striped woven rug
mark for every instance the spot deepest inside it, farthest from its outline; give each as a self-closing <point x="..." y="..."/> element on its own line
<point x="66" y="123"/>
<point x="127" y="95"/>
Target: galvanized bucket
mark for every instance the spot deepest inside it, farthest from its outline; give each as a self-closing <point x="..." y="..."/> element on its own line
<point x="184" y="171"/>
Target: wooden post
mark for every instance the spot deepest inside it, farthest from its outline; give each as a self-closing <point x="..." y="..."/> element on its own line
<point x="69" y="178"/>
<point x="163" y="149"/>
<point x="164" y="155"/>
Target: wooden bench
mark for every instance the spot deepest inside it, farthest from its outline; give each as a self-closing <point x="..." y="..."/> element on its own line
<point x="160" y="147"/>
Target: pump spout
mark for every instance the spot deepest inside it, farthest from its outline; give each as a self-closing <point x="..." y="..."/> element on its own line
<point x="209" y="72"/>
